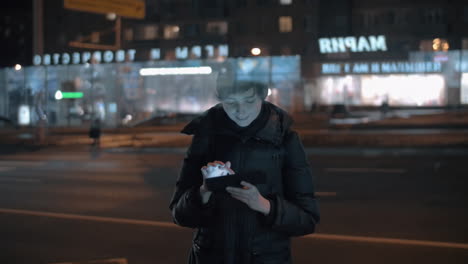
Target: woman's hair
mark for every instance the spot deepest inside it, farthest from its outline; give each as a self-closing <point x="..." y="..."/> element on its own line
<point x="223" y="91"/>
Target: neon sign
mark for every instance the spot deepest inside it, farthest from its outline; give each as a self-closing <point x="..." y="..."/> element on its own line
<point x="353" y="44"/>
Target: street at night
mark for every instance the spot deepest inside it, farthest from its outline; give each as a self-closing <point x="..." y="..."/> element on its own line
<point x="279" y="131"/>
<point x="72" y="204"/>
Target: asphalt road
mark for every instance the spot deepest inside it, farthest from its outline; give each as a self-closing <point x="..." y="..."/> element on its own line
<point x="378" y="206"/>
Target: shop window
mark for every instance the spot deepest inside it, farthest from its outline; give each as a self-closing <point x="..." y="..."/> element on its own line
<point x="217" y="28"/>
<point x="171" y="31"/>
<point x="285" y="24"/>
<point x="464" y="89"/>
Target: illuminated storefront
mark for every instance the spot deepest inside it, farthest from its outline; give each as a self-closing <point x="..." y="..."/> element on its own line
<point x="426" y="79"/>
<point x="125" y="93"/>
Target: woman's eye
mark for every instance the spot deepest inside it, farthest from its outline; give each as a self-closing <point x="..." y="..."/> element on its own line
<point x="251" y="101"/>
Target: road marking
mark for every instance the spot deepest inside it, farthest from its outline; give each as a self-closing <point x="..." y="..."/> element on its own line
<point x="379" y="170"/>
<point x="381" y="240"/>
<point x="89" y="218"/>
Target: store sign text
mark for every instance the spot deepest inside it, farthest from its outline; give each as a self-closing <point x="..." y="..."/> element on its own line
<point x="196" y="51"/>
<point x="353" y="44"/>
<point x="381" y="67"/>
<point x="84" y="57"/>
<point x="108" y="56"/>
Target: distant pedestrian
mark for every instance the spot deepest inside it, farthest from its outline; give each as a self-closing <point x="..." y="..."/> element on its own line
<point x="95" y="132"/>
<point x="384" y="107"/>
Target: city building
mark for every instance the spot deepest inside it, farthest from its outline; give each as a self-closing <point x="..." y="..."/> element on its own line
<point x="310" y="52"/>
<point x="16" y="33"/>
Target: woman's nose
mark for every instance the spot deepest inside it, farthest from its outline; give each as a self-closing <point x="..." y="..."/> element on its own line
<point x="239" y="108"/>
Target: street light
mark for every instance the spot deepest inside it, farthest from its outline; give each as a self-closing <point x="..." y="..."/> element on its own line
<point x="256" y="51"/>
<point x="18" y="67"/>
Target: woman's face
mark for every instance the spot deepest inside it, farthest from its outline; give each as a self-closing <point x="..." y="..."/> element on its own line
<point x="242" y="107"/>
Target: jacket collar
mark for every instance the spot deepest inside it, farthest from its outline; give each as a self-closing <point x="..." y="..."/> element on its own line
<point x="277" y="125"/>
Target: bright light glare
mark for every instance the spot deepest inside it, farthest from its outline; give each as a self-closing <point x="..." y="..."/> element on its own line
<point x="24" y="116"/>
<point x="175" y="71"/>
<point x="269" y="92"/>
<point x="255" y="51"/>
<point x="17" y="67"/>
<point x="403" y="89"/>
<point x="58" y="95"/>
<point x="111" y="16"/>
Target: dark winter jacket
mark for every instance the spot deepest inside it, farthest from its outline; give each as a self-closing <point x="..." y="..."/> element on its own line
<point x="275" y="151"/>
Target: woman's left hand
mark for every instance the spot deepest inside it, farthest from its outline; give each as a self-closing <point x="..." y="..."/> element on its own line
<point x="250" y="195"/>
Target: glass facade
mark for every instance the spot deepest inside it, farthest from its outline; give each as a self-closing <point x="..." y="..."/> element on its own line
<point x="119" y="95"/>
<point x="427" y="79"/>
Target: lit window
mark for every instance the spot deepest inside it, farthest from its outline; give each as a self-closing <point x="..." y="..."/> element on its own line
<point x="150" y="32"/>
<point x="171" y="31"/>
<point x="285" y="2"/>
<point x="436" y="44"/>
<point x="285" y="24"/>
<point x="146" y="32"/>
<point x="218" y="28"/>
<point x="128" y="34"/>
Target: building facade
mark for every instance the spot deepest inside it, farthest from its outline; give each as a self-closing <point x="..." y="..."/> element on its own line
<point x="360" y="52"/>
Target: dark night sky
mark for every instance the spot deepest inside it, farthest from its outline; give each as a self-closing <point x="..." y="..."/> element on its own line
<point x="15" y="32"/>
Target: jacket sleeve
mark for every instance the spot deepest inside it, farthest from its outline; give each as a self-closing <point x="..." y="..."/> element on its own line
<point x="186" y="205"/>
<point x="296" y="212"/>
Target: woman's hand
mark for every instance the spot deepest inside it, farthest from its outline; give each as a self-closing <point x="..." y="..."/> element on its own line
<point x="213" y="169"/>
<point x="250" y="195"/>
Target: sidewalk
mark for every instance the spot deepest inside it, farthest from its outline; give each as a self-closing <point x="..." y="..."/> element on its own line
<point x="316" y="130"/>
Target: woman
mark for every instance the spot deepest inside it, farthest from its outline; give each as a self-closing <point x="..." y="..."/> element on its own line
<point x="251" y="223"/>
